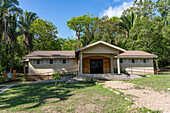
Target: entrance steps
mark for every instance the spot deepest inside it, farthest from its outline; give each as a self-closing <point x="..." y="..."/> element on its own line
<point x="110" y="76"/>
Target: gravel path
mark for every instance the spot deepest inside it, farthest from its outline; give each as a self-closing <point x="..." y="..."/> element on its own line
<point x="143" y="97"/>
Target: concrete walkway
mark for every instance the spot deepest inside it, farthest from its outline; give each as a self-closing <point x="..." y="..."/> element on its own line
<point x="6" y="88"/>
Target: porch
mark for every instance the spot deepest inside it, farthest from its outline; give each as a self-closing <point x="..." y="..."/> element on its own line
<point x="97" y="58"/>
<point x="98" y="63"/>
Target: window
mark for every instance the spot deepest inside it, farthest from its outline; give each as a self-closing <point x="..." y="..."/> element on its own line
<point x="67" y="61"/>
<point x="47" y="61"/>
<point x="130" y="60"/>
<point x="141" y="60"/>
<point x="34" y="61"/>
<point x="136" y="60"/>
<point x="42" y="62"/>
<point x="55" y="61"/>
<point x="60" y="61"/>
<point x="144" y="60"/>
<point x="121" y="60"/>
<point x="124" y="61"/>
<point x="133" y="60"/>
<point x="38" y="61"/>
<point x="64" y="61"/>
<point x="51" y="61"/>
<point x="147" y="61"/>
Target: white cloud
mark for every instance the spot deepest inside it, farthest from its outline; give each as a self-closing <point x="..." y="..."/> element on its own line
<point x="117" y="10"/>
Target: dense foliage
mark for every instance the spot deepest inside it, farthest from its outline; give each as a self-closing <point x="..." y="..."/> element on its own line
<point x="144" y="26"/>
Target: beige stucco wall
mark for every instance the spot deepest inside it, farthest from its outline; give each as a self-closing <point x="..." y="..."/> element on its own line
<point x="48" y="69"/>
<point x="100" y="48"/>
<point x="137" y="68"/>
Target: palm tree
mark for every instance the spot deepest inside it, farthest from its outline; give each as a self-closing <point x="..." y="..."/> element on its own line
<point x="6" y="7"/>
<point x="13" y="33"/>
<point x="26" y="21"/>
<point x="127" y="22"/>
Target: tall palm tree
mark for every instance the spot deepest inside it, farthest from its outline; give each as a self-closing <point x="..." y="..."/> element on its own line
<point x="26" y="21"/>
<point x="13" y="33"/>
<point x="127" y="22"/>
<point x="6" y="7"/>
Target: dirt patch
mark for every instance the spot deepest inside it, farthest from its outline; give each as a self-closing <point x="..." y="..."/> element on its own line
<point x="143" y="97"/>
<point x="51" y="99"/>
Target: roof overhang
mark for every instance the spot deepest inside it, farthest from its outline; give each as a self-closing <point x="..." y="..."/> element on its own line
<point x="101" y="42"/>
<point x="137" y="56"/>
<point x="49" y="57"/>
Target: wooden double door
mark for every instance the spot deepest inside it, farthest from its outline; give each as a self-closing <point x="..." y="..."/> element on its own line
<point x="96" y="64"/>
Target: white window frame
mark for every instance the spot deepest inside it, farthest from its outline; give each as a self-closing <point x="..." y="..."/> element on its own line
<point x="130" y="61"/>
<point x="34" y="61"/>
<point x="67" y="61"/>
<point x="124" y="61"/>
<point x="60" y="61"/>
<point x="141" y="61"/>
<point x="55" y="61"/>
<point x="136" y="61"/>
<point x="48" y="61"/>
<point x="147" y="60"/>
<point x="42" y="61"/>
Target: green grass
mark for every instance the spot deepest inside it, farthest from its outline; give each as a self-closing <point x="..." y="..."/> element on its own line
<point x="74" y="97"/>
<point x="158" y="82"/>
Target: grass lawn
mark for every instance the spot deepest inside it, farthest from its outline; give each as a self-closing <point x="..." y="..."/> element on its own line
<point x="158" y="82"/>
<point x="74" y="97"/>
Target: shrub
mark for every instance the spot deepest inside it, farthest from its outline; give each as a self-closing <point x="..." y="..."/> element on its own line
<point x="56" y="76"/>
<point x="90" y="80"/>
<point x="2" y="80"/>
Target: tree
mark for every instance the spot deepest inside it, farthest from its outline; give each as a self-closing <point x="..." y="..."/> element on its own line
<point x="144" y="8"/>
<point x="151" y="36"/>
<point x="45" y="33"/>
<point x="107" y="30"/>
<point x="128" y="21"/>
<point x="6" y="7"/>
<point x="76" y="24"/>
<point x="163" y="7"/>
<point x="88" y="24"/>
<point x="69" y="44"/>
<point x="13" y="33"/>
<point x="26" y="21"/>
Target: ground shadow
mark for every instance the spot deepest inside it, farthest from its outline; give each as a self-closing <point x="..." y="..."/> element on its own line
<point x="38" y="93"/>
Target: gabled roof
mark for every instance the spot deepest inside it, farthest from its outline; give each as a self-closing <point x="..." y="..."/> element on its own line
<point x="51" y="54"/>
<point x="137" y="54"/>
<point x="101" y="42"/>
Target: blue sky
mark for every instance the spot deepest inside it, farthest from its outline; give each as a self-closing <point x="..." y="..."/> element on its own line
<point x="60" y="11"/>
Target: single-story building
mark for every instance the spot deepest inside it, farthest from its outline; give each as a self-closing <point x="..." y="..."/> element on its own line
<point x="96" y="58"/>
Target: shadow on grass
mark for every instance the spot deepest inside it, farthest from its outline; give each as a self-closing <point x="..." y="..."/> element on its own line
<point x="37" y="94"/>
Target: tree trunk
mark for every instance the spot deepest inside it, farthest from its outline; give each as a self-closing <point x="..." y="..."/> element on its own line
<point x="127" y="34"/>
<point x="5" y="31"/>
<point x="0" y="46"/>
<point x="78" y="35"/>
<point x="11" y="62"/>
<point x="87" y="36"/>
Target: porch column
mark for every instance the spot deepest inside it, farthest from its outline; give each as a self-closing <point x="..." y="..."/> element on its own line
<point x="81" y="63"/>
<point x="118" y="63"/>
<point x="111" y="62"/>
